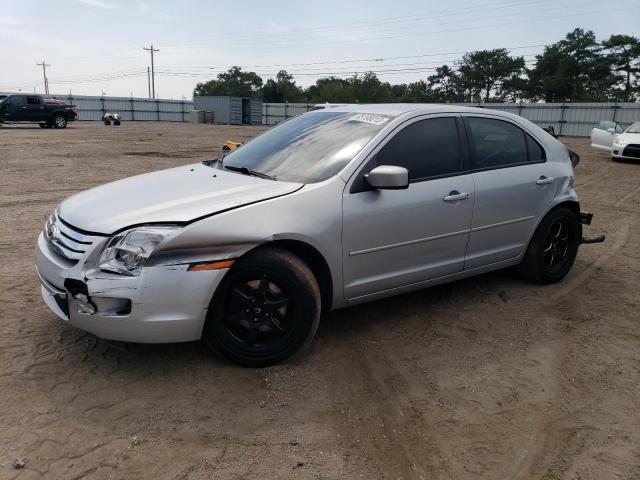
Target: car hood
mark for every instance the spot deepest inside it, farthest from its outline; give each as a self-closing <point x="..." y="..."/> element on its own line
<point x="629" y="137"/>
<point x="176" y="195"/>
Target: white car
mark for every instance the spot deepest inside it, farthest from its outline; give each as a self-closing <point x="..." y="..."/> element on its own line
<point x="626" y="145"/>
<point x="609" y="137"/>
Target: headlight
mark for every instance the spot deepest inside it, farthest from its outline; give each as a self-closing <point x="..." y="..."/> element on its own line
<point x="127" y="252"/>
<point x="619" y="141"/>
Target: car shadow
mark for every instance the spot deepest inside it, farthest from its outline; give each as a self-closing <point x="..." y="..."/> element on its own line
<point x="345" y="325"/>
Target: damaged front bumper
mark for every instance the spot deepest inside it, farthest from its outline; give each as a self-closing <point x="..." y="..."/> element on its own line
<point x="164" y="304"/>
<point x="585" y="219"/>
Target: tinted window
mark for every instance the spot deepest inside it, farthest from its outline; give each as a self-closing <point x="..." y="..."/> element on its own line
<point x="33" y="100"/>
<point x="536" y="153"/>
<point x="17" y="100"/>
<point x="495" y="143"/>
<point x="426" y="148"/>
<point x="309" y="148"/>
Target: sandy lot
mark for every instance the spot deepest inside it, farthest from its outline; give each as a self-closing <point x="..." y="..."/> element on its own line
<point x="490" y="377"/>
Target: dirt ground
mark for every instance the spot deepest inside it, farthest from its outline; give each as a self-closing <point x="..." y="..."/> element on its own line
<point x="489" y="378"/>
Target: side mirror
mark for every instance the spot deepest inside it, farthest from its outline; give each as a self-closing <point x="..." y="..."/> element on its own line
<point x="388" y="177"/>
<point x="610" y="130"/>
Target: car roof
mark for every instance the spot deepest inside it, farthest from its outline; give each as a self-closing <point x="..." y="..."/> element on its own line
<point x="401" y="108"/>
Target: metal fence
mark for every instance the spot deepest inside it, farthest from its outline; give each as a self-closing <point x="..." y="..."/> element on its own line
<point x="130" y="109"/>
<point x="273" y="113"/>
<point x="568" y="119"/>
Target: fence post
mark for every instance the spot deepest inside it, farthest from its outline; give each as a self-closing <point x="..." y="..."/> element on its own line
<point x="131" y="105"/>
<point x="158" y="109"/>
<point x="103" y="109"/>
<point x="183" y="111"/>
<point x="562" y="121"/>
<point x="520" y="107"/>
<point x="615" y="107"/>
<point x="286" y="104"/>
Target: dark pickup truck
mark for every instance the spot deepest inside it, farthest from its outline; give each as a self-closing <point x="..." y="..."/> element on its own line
<point x="35" y="109"/>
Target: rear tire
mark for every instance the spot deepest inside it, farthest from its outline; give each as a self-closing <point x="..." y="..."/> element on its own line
<point x="553" y="248"/>
<point x="107" y="122"/>
<point x="117" y="123"/>
<point x="59" y="121"/>
<point x="266" y="309"/>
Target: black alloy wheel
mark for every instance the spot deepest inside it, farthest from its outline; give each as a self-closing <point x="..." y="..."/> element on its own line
<point x="266" y="309"/>
<point x="553" y="248"/>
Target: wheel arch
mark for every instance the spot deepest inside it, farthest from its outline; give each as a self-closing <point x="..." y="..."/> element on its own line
<point x="314" y="260"/>
<point x="572" y="203"/>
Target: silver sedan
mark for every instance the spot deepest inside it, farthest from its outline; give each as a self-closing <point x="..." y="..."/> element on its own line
<point x="333" y="208"/>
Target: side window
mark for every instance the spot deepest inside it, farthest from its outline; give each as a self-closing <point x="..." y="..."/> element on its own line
<point x="33" y="100"/>
<point x="17" y="100"/>
<point x="426" y="148"/>
<point x="536" y="152"/>
<point x="495" y="143"/>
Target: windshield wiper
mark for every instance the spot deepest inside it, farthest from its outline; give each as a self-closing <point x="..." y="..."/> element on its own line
<point x="219" y="159"/>
<point x="246" y="171"/>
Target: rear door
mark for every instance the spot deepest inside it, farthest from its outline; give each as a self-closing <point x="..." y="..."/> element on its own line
<point x="513" y="188"/>
<point x="35" y="111"/>
<point x="393" y="238"/>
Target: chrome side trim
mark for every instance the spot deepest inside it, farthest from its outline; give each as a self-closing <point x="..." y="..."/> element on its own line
<point x="500" y="224"/>
<point x="410" y="242"/>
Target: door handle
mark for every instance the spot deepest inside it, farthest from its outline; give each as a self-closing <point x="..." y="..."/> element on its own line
<point x="544" y="180"/>
<point x="24" y="108"/>
<point x="455" y="196"/>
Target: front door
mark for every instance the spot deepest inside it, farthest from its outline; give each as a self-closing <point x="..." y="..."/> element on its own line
<point x="514" y="186"/>
<point x="393" y="238"/>
<point x="16" y="109"/>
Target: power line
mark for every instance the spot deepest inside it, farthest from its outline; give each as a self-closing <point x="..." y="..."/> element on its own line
<point x="153" y="76"/>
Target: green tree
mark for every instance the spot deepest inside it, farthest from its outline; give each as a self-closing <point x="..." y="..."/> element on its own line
<point x="330" y="89"/>
<point x="484" y="71"/>
<point x="418" y="92"/>
<point x="234" y="82"/>
<point x="282" y="89"/>
<point x="369" y="89"/>
<point x="444" y="85"/>
<point x="624" y="55"/>
<point x="572" y="69"/>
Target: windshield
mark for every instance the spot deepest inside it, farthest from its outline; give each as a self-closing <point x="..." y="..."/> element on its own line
<point x="2" y="97"/>
<point x="309" y="148"/>
<point x="635" y="128"/>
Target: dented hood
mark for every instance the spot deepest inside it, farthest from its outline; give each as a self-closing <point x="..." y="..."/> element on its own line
<point x="176" y="195"/>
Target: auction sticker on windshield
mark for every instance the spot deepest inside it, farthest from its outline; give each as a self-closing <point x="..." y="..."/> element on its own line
<point x="369" y="118"/>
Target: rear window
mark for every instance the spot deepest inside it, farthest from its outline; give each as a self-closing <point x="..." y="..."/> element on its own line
<point x="496" y="143"/>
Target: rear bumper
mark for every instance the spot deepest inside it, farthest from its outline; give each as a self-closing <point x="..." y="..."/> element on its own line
<point x="164" y="304"/>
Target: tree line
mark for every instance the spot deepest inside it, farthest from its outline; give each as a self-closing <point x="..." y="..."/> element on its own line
<point x="578" y="68"/>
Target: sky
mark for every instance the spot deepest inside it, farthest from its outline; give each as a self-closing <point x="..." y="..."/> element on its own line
<point x="95" y="47"/>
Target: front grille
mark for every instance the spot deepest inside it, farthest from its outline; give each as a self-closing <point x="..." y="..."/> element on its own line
<point x="632" y="150"/>
<point x="66" y="240"/>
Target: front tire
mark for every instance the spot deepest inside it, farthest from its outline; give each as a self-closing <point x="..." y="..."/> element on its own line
<point x="59" y="121"/>
<point x="553" y="248"/>
<point x="266" y="309"/>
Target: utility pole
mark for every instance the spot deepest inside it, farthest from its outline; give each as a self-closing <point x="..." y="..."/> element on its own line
<point x="153" y="73"/>
<point x="44" y="73"/>
<point x="149" y="80"/>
